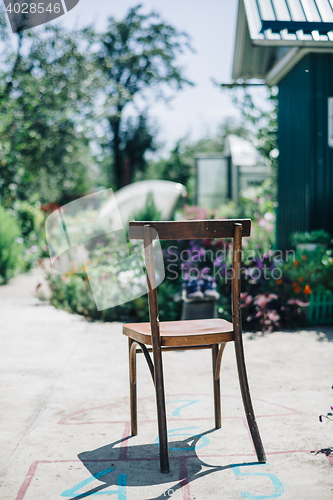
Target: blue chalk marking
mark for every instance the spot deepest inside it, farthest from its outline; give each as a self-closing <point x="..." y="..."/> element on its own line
<point x="188" y="402"/>
<point x="121" y="491"/>
<point x="205" y="440"/>
<point x="278" y="486"/>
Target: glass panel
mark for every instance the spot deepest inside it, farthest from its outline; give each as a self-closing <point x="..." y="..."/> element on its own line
<point x="212" y="179"/>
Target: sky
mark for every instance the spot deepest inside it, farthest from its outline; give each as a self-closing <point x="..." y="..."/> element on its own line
<point x="211" y="25"/>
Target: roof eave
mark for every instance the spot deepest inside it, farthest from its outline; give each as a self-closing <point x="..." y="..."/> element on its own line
<point x="240" y="40"/>
<point x="264" y="42"/>
<point x="284" y="65"/>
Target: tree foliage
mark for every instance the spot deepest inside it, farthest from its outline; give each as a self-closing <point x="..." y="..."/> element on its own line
<point x="261" y="120"/>
<point x="61" y="92"/>
<point x="45" y="103"/>
<point x="136" y="54"/>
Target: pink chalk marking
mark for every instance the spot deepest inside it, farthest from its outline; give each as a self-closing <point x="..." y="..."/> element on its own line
<point x="183" y="479"/>
<point x="31" y="473"/>
<point x="27" y="481"/>
<point x="32" y="469"/>
<point x="64" y="420"/>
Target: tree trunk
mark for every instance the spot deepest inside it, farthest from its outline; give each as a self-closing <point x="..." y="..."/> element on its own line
<point x="128" y="172"/>
<point x="115" y="145"/>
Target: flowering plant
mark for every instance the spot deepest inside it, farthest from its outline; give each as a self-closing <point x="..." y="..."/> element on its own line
<point x="306" y="273"/>
<point x="268" y="311"/>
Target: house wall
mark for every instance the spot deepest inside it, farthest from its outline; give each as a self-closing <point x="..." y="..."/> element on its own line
<point x="305" y="176"/>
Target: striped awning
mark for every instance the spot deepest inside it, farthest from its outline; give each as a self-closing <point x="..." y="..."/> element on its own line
<point x="290" y="19"/>
<point x="273" y="35"/>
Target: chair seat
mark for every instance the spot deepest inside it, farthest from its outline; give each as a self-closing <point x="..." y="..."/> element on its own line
<point x="183" y="333"/>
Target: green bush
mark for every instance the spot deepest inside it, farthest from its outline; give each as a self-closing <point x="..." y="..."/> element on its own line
<point x="317" y="236"/>
<point x="72" y="293"/>
<point x="31" y="222"/>
<point x="10" y="246"/>
<point x="150" y="211"/>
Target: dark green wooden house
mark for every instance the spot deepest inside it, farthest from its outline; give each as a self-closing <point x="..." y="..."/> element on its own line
<point x="289" y="43"/>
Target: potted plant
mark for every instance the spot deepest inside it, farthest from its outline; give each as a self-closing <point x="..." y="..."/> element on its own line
<point x="310" y="240"/>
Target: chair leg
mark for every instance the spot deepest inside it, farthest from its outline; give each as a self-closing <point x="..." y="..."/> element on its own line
<point x="161" y="413"/>
<point x="251" y="419"/>
<point x="217" y="394"/>
<point x="133" y="394"/>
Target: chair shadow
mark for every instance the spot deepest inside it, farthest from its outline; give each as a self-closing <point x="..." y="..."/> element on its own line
<point x="141" y="465"/>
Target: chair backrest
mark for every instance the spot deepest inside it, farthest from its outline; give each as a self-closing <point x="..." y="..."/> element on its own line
<point x="187" y="230"/>
<point x="190" y="229"/>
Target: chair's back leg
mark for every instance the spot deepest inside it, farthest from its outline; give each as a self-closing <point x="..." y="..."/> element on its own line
<point x="237" y="322"/>
<point x="217" y="394"/>
<point x="133" y="393"/>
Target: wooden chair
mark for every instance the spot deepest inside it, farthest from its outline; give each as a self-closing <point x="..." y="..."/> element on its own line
<point x="196" y="334"/>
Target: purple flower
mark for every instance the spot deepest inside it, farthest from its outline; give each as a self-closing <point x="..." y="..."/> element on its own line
<point x="259" y="263"/>
<point x="204" y="272"/>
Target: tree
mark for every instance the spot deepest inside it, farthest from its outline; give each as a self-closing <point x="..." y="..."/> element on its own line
<point x="46" y="88"/>
<point x="260" y="121"/>
<point x="136" y="54"/>
<point x="136" y="139"/>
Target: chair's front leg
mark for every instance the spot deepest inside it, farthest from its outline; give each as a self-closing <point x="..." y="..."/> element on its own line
<point x="245" y="390"/>
<point x="133" y="394"/>
<point x="217" y="394"/>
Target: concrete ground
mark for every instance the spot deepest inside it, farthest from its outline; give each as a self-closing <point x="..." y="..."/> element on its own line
<point x="65" y="413"/>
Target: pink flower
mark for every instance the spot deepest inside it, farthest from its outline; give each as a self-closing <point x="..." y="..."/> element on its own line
<point x="261" y="300"/>
<point x="269" y="216"/>
<point x="273" y="316"/>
